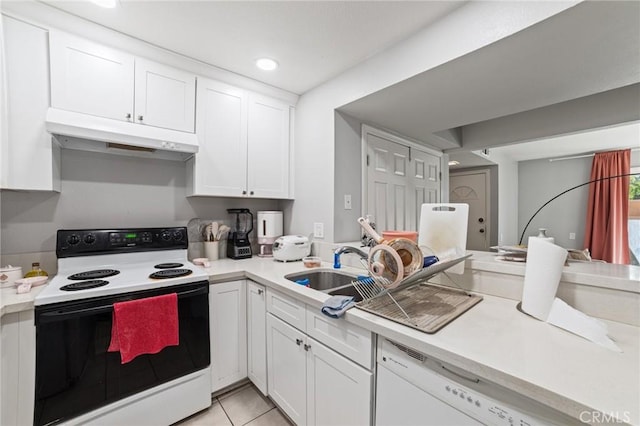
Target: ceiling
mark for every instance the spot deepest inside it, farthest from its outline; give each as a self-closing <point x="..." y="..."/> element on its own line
<point x="313" y="41"/>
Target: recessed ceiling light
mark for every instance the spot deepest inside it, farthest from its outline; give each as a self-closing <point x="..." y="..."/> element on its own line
<point x="454" y="163"/>
<point x="109" y="4"/>
<point x="266" y="64"/>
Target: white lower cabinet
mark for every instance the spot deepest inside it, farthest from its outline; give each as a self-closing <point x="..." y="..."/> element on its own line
<point x="287" y="362"/>
<point x="257" y="335"/>
<point x="313" y="384"/>
<point x="228" y="329"/>
<point x="338" y="390"/>
<point x="17" y="368"/>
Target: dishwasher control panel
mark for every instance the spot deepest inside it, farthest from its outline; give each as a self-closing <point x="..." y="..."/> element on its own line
<point x="485" y="402"/>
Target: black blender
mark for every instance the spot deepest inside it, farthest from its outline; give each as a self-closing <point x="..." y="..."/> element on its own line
<point x="238" y="245"/>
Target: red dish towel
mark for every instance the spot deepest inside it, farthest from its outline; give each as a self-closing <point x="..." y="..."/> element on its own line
<point x="144" y="326"/>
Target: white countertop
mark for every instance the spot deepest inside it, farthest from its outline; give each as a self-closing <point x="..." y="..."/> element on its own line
<point x="492" y="340"/>
<point x="597" y="274"/>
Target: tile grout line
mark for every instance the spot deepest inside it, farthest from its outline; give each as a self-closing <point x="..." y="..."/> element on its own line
<point x="225" y="411"/>
<point x="257" y="417"/>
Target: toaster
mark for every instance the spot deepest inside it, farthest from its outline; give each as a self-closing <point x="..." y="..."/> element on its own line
<point x="291" y="247"/>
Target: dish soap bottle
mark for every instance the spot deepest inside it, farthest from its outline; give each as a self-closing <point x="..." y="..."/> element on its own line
<point x="36" y="271"/>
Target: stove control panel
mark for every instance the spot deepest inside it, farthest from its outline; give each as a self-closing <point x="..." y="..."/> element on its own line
<point x="87" y="242"/>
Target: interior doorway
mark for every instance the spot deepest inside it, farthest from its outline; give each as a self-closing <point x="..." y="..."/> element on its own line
<point x="473" y="188"/>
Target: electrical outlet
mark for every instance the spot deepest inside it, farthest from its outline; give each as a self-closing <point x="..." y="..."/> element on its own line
<point x="347" y="201"/>
<point x="572" y="235"/>
<point x="318" y="230"/>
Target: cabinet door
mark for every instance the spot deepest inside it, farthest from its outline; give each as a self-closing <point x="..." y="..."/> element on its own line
<point x="338" y="390"/>
<point x="89" y="78"/>
<point x="228" y="316"/>
<point x="268" y="141"/>
<point x="257" y="336"/>
<point x="17" y="368"/>
<point x="164" y="96"/>
<point x="29" y="159"/>
<point x="286" y="361"/>
<point x="220" y="166"/>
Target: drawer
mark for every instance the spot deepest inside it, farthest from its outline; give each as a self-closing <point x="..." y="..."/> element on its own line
<point x="287" y="309"/>
<point x="352" y="341"/>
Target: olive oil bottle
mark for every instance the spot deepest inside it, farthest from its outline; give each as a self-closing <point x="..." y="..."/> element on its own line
<point x="36" y="271"/>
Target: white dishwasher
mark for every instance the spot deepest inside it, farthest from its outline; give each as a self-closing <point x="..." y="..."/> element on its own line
<point x="413" y="389"/>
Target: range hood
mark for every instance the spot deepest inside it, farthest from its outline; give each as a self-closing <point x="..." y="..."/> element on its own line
<point x="75" y="130"/>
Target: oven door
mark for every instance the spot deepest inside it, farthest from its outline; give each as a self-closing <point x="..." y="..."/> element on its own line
<point x="74" y="372"/>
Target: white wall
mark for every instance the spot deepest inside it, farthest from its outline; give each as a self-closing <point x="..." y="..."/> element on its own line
<point x="468" y="28"/>
<point x="106" y="190"/>
<point x="538" y="182"/>
<point x="348" y="177"/>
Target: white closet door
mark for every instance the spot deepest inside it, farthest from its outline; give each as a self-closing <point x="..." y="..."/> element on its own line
<point x="388" y="179"/>
<point x="400" y="177"/>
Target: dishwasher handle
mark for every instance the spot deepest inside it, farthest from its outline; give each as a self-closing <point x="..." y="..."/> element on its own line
<point x="462" y="376"/>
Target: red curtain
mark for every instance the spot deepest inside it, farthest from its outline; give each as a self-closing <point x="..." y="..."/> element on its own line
<point x="606" y="234"/>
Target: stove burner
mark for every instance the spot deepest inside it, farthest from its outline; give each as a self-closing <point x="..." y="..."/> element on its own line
<point x="93" y="275"/>
<point x="83" y="285"/>
<point x="170" y="273"/>
<point x="170" y="265"/>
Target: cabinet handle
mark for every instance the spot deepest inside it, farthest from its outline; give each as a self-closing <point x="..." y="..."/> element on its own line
<point x="251" y="193"/>
<point x="260" y="291"/>
<point x="128" y="116"/>
<point x="140" y="118"/>
<point x="307" y="347"/>
<point x="244" y="192"/>
<point x="299" y="342"/>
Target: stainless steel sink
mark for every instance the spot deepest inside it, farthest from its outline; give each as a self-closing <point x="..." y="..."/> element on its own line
<point x="348" y="290"/>
<point x="322" y="279"/>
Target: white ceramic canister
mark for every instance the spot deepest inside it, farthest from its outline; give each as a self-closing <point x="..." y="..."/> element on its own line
<point x="269" y="226"/>
<point x="9" y="274"/>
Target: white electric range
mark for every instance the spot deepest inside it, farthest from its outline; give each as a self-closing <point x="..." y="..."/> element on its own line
<point x="77" y="379"/>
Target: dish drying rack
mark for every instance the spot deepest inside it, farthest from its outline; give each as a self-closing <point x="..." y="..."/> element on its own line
<point x="414" y="302"/>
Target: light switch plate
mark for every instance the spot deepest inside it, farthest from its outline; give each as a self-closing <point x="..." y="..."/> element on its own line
<point x="347" y="201"/>
<point x="318" y="230"/>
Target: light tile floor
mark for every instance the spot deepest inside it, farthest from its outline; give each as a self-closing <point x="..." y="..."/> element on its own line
<point x="242" y="406"/>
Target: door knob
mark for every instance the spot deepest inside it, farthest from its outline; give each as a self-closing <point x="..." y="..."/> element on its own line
<point x="482" y="230"/>
<point x="481" y="220"/>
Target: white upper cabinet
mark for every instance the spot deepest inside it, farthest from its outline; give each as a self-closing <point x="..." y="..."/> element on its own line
<point x="164" y="96"/>
<point x="220" y="167"/>
<point x="29" y="159"/>
<point x="89" y="78"/>
<point x="244" y="142"/>
<point x="93" y="79"/>
<point x="268" y="148"/>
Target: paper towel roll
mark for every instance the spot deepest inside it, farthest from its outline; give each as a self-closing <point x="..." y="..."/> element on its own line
<point x="571" y="319"/>
<point x="541" y="277"/>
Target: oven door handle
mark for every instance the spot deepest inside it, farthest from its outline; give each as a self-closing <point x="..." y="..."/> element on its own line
<point x="61" y="315"/>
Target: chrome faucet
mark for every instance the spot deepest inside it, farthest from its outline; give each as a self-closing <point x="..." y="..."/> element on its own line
<point x="344" y="250"/>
